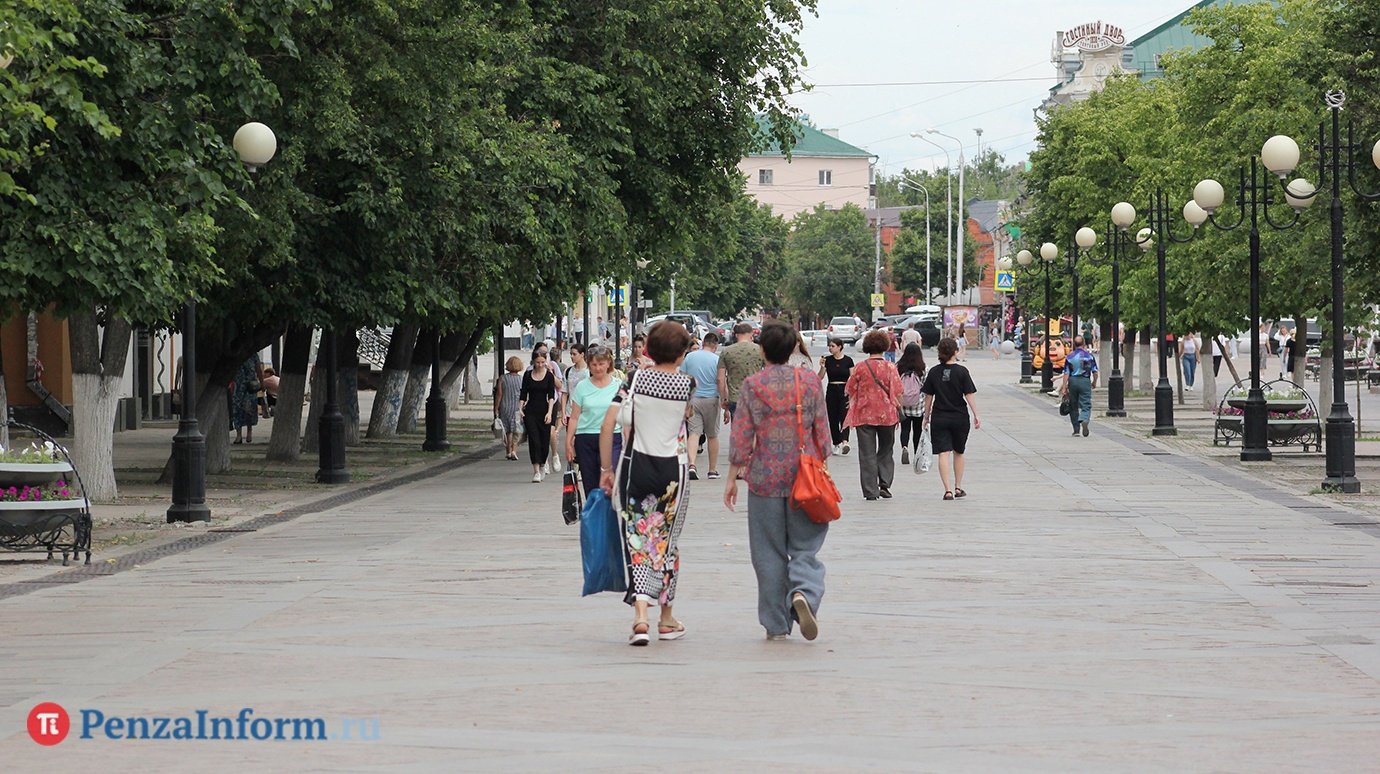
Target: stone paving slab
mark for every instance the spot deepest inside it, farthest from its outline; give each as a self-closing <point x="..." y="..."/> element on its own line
<point x="1089" y="607"/>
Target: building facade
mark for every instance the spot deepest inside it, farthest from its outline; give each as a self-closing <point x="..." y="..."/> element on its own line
<point x="822" y="169"/>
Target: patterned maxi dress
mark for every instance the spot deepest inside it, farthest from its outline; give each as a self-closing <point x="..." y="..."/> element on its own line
<point x="652" y="477"/>
<point x="244" y="396"/>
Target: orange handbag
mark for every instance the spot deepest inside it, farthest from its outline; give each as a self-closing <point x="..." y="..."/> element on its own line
<point x="814" y="491"/>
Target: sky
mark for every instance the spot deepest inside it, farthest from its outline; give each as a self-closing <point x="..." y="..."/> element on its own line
<point x="1005" y="42"/>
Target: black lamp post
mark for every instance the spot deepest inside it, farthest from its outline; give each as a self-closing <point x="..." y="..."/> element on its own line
<point x="1048" y="253"/>
<point x="1027" y="358"/>
<point x="1255" y="199"/>
<point x="1123" y="215"/>
<point x="1158" y="218"/>
<point x="435" y="405"/>
<point x="256" y="145"/>
<point x="1280" y="155"/>
<point x="330" y="431"/>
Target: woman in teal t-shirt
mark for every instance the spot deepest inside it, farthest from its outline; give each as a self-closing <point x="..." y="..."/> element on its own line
<point x="589" y="404"/>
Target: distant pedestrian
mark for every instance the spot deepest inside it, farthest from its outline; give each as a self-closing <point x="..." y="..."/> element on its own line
<point x="703" y="365"/>
<point x="738" y="361"/>
<point x="589" y="403"/>
<point x="835" y="369"/>
<point x="1288" y="350"/>
<point x="949" y="391"/>
<point x="244" y="400"/>
<point x="767" y="440"/>
<point x="1080" y="377"/>
<point x="994" y="340"/>
<point x="507" y="405"/>
<point x="270" y="382"/>
<point x="1216" y="356"/>
<point x="962" y="341"/>
<point x="911" y="368"/>
<point x="874" y="396"/>
<point x="911" y="336"/>
<point x="1189" y="358"/>
<point x="538" y="402"/>
<point x="651" y="494"/>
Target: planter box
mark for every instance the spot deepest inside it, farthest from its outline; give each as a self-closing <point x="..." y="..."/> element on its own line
<point x="24" y="474"/>
<point x="1278" y="406"/>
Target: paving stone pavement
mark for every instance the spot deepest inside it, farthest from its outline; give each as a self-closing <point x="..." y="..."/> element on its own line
<point x="1095" y="604"/>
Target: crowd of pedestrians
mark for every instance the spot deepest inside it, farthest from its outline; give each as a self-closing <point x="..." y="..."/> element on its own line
<point x="643" y="434"/>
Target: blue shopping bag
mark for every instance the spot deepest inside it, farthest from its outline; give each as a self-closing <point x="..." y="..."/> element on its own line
<point x="601" y="546"/>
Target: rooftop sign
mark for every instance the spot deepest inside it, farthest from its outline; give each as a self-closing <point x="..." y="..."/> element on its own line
<point x="1094" y="36"/>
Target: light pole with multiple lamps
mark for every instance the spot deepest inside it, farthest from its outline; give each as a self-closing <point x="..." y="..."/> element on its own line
<point x="929" y="288"/>
<point x="949" y="218"/>
<point x="1280" y="155"/>
<point x="959" y="227"/>
<point x="1123" y="215"/>
<point x="256" y="146"/>
<point x="1048" y="253"/>
<point x="1254" y="200"/>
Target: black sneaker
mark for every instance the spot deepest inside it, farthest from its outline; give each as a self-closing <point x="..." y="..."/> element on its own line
<point x="1085" y="429"/>
<point x="693" y="475"/>
<point x="905" y="456"/>
<point x="885" y="493"/>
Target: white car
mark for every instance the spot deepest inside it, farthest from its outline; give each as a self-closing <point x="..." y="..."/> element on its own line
<point x="693" y="323"/>
<point x="847" y="329"/>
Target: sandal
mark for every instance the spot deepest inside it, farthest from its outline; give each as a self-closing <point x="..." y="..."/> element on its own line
<point x="672" y="631"/>
<point x="959" y="492"/>
<point x="948" y="495"/>
<point x="639" y="637"/>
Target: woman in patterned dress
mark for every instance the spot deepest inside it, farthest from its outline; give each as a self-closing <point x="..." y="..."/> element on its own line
<point x="506" y="391"/>
<point x="651" y="497"/>
<point x="244" y="401"/>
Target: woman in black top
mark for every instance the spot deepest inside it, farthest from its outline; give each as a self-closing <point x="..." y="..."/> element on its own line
<point x="949" y="393"/>
<point x="537" y="401"/>
<point x="835" y="367"/>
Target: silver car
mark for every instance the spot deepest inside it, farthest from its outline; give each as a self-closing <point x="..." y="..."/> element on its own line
<point x="847" y="329"/>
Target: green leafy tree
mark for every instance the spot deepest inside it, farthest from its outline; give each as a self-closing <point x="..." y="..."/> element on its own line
<point x="829" y="262"/>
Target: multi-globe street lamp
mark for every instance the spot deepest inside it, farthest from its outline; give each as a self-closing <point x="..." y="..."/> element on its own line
<point x="256" y="145"/>
<point x="1280" y="155"/>
<point x="1253" y="199"/>
<point x="1156" y="236"/>
<point x="1123" y="215"/>
<point x="1048" y="253"/>
<point x="435" y="404"/>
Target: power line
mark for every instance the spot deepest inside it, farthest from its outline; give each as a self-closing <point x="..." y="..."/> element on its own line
<point x="976" y="81"/>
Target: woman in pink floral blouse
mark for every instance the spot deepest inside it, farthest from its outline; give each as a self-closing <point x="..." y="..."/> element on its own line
<point x="766" y="448"/>
<point x="874" y="399"/>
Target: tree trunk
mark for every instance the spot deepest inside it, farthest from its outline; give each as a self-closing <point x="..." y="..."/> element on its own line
<point x="415" y="394"/>
<point x="1206" y="377"/>
<point x="1325" y="388"/>
<point x="1226" y="358"/>
<point x="4" y="407"/>
<point x="1179" y="369"/>
<point x="1300" y="349"/>
<point x="311" y="437"/>
<point x="286" y="442"/>
<point x="1148" y="372"/>
<point x="1104" y="351"/>
<point x="383" y="417"/>
<point x="1128" y="357"/>
<point x="458" y="365"/>
<point x="349" y="384"/>
<point x="98" y="363"/>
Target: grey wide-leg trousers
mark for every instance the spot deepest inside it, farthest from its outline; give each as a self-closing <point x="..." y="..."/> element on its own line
<point x="876" y="457"/>
<point x="784" y="543"/>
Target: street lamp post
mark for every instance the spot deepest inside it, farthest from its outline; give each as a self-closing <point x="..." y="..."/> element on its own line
<point x="1123" y="215"/>
<point x="908" y="182"/>
<point x="435" y="404"/>
<point x="1158" y="218"/>
<point x="960" y="226"/>
<point x="256" y="146"/>
<point x="1048" y="253"/>
<point x="1280" y="155"/>
<point x="330" y="430"/>
<point x="1208" y="195"/>
<point x="949" y="219"/>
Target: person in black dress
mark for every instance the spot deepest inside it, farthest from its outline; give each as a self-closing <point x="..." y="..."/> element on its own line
<point x="835" y="368"/>
<point x="537" y="401"/>
<point x="949" y="393"/>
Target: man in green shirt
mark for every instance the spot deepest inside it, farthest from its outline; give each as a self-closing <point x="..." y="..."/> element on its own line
<point x="737" y="362"/>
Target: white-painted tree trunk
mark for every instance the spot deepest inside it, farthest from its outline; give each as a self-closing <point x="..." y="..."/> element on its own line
<point x="388" y="399"/>
<point x="413" y="397"/>
<point x="1149" y="364"/>
<point x="93" y="418"/>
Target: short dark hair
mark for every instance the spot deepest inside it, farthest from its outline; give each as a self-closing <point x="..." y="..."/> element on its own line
<point x="639" y="337"/>
<point x="667" y="341"/>
<point x="742" y="329"/>
<point x="578" y="347"/>
<point x="876" y="342"/>
<point x="778" y="341"/>
<point x="711" y="338"/>
<point x="836" y="340"/>
<point x="947" y="348"/>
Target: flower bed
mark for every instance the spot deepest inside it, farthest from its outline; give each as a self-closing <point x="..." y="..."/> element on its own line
<point x="41" y="508"/>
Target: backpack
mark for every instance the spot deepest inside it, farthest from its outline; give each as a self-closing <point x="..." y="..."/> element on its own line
<point x="910" y="390"/>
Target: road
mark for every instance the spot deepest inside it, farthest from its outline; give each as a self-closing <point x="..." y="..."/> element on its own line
<point x="1094" y="604"/>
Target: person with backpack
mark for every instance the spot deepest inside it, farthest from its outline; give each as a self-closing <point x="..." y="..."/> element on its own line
<point x="911" y="368"/>
<point x="874" y="396"/>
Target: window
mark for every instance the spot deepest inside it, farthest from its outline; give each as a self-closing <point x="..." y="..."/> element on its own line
<point x="764" y="177"/>
<point x="826" y="177"/>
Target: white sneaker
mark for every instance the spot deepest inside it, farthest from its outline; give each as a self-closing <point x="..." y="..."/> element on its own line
<point x="555" y="461"/>
<point x="536" y="477"/>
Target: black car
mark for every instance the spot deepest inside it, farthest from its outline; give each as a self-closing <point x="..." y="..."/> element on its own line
<point x="927" y="327"/>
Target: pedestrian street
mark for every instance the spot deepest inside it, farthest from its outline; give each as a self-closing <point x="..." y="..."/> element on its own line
<point x="1094" y="604"/>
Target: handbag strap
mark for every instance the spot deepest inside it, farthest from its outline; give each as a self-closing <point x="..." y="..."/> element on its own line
<point x="873" y="373"/>
<point x="799" y="411"/>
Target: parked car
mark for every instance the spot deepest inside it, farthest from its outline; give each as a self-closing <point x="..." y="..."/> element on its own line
<point x="846" y="328"/>
<point x="1313" y="337"/>
<point x="889" y="321"/>
<point x="818" y="341"/>
<point x="925" y="324"/>
<point x="694" y="324"/>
